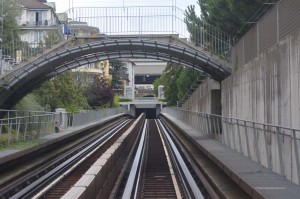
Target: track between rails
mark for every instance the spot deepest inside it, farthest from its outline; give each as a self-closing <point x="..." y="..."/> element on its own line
<point x="157" y="169"/>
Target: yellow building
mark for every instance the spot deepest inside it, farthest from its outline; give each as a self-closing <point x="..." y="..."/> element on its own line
<point x="86" y="74"/>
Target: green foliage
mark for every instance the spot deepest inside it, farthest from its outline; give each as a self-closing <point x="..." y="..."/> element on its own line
<point x="177" y="81"/>
<point x="11" y="13"/>
<point x="29" y="102"/>
<point x="116" y="101"/>
<point x="227" y="15"/>
<point x="62" y="92"/>
<point x="185" y="79"/>
<point x="117" y="71"/>
<point x="100" y="93"/>
<point x="125" y="100"/>
<point x="51" y="38"/>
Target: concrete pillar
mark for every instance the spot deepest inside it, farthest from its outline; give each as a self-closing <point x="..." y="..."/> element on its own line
<point x="61" y="115"/>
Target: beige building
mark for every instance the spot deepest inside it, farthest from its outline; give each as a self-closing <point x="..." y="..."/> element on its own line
<point x="86" y="74"/>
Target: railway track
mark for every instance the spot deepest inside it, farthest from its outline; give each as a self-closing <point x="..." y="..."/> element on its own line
<point x="134" y="159"/>
<point x="26" y="185"/>
<point x="158" y="169"/>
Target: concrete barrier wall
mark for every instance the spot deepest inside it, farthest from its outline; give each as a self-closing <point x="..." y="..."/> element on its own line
<point x="206" y="98"/>
<point x="266" y="89"/>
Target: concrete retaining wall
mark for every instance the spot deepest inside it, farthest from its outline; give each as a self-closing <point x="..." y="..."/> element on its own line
<point x="266" y="89"/>
<point x="206" y="98"/>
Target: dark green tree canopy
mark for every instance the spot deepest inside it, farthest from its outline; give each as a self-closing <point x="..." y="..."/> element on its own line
<point x="100" y="93"/>
<point x="177" y="81"/>
<point x="227" y="15"/>
<point x="62" y="92"/>
<point x="117" y="71"/>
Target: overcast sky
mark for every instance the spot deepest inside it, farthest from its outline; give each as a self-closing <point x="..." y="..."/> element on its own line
<point x="64" y="5"/>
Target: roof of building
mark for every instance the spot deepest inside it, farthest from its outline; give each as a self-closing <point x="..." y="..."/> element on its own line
<point x="33" y="4"/>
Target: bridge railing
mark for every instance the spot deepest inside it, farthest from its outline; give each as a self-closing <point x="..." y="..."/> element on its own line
<point x="31" y="127"/>
<point x="275" y="147"/>
<point x="141" y="20"/>
<point x="31" y="43"/>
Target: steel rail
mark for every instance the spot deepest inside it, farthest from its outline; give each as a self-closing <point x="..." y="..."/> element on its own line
<point x="83" y="154"/>
<point x="134" y="175"/>
<point x="189" y="180"/>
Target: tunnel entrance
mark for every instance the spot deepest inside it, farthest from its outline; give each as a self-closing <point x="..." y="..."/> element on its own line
<point x="150" y="112"/>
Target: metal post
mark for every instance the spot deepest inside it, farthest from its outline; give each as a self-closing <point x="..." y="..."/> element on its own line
<point x="247" y="140"/>
<point x="280" y="150"/>
<point x="267" y="148"/>
<point x="256" y="142"/>
<point x="239" y="134"/>
<point x="25" y="129"/>
<point x="296" y="155"/>
<point x="233" y="135"/>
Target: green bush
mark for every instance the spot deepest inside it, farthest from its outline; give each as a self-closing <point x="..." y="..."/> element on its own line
<point x="125" y="100"/>
<point x="115" y="103"/>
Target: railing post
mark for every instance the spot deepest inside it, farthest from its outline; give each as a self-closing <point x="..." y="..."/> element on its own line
<point x="39" y="127"/>
<point x="267" y="148"/>
<point x="18" y="123"/>
<point x="280" y="151"/>
<point x="256" y="142"/>
<point x="239" y="134"/>
<point x="296" y="155"/>
<point x="9" y="131"/>
<point x="247" y="140"/>
<point x="25" y="128"/>
<point x="233" y="134"/>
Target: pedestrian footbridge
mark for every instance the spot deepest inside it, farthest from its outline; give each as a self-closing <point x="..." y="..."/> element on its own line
<point x="79" y="51"/>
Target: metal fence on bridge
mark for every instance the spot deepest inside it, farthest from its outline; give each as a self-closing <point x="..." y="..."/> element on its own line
<point x="275" y="147"/>
<point x="135" y="20"/>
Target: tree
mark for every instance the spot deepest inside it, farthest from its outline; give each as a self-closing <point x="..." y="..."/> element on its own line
<point x="227" y="15"/>
<point x="117" y="70"/>
<point x="29" y="102"/>
<point x="185" y="80"/>
<point x="100" y="93"/>
<point x="62" y="92"/>
<point x="177" y="81"/>
<point x="11" y="13"/>
<point x="52" y="37"/>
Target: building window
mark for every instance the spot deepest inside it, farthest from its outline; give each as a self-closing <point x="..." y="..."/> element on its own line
<point x="38" y="18"/>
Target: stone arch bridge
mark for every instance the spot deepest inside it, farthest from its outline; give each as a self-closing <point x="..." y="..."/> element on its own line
<point x="78" y="51"/>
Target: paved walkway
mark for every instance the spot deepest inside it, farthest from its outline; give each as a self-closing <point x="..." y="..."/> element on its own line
<point x="256" y="180"/>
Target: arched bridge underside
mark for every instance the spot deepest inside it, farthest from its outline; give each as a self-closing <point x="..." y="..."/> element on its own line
<point x="18" y="83"/>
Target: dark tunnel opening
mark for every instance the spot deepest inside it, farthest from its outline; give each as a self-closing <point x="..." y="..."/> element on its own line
<point x="150" y="112"/>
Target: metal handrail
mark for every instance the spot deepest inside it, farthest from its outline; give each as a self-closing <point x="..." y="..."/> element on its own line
<point x="275" y="147"/>
<point x="32" y="127"/>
